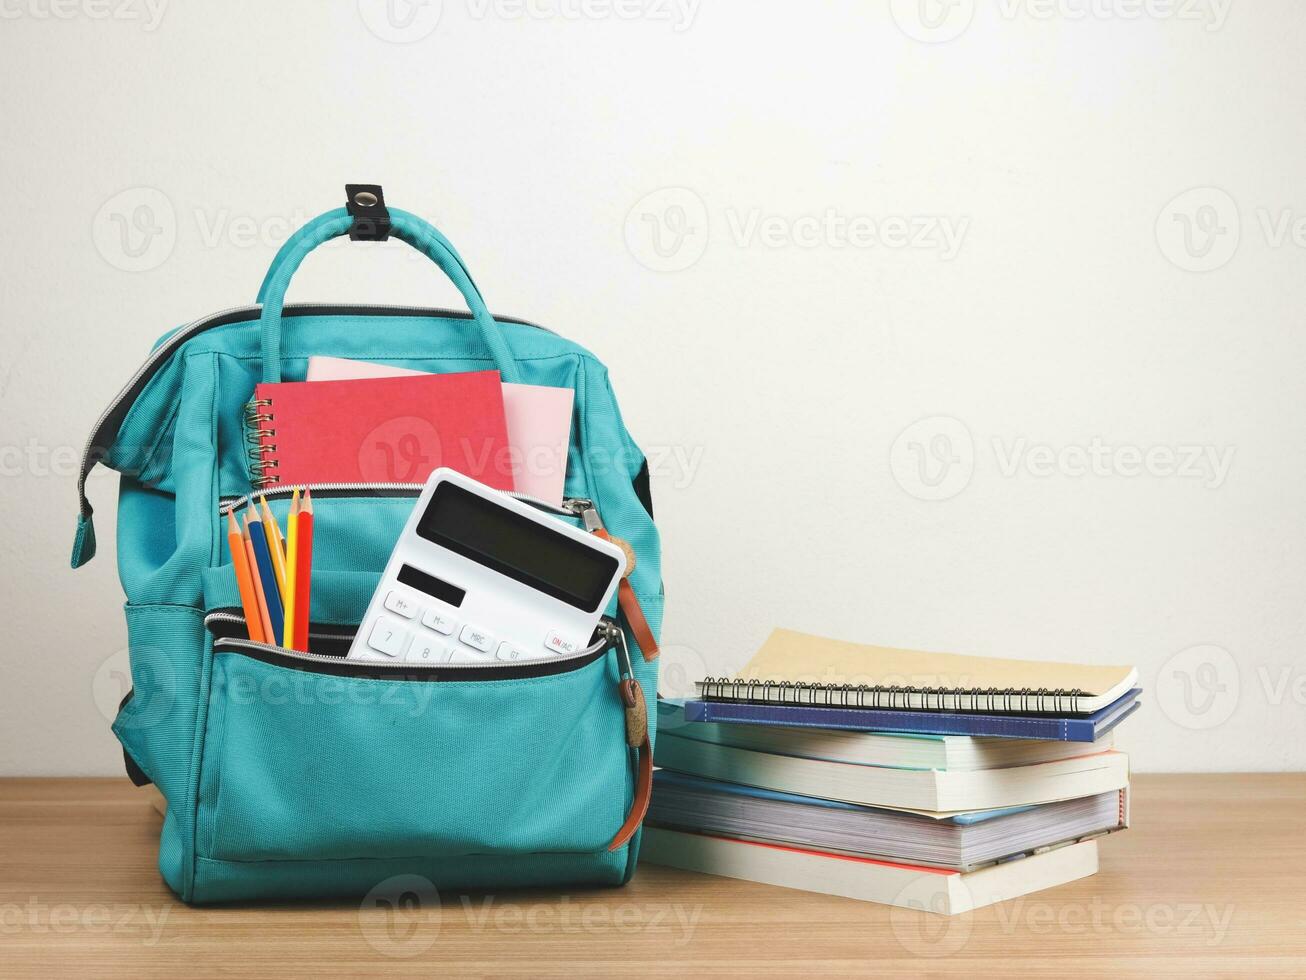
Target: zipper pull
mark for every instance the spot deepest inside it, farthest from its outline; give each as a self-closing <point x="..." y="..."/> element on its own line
<point x="617" y="637"/>
<point x="584" y="508"/>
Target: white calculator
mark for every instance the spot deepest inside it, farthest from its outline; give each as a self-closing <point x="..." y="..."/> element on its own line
<point x="478" y="577"/>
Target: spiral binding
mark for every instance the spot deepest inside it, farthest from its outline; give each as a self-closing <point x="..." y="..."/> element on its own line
<point x="261" y="464"/>
<point x="1041" y="700"/>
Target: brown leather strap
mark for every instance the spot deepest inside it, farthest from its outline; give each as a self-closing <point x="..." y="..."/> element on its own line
<point x="634" y="613"/>
<point x="630" y="607"/>
<point x="632" y="696"/>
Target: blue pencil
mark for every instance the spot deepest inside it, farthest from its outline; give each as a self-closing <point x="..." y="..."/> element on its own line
<point x="258" y="537"/>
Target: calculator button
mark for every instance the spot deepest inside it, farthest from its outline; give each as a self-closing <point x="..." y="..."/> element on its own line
<point x="559" y="645"/>
<point x="399" y="603"/>
<point x="432" y="620"/>
<point x="426" y="651"/>
<point x="478" y="639"/>
<point x="510" y="651"/>
<point x="388" y="637"/>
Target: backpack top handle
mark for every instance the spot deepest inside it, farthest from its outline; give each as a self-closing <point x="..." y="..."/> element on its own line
<point x="407" y="228"/>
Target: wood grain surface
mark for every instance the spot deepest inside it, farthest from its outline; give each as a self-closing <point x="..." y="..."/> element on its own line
<point x="1210" y="881"/>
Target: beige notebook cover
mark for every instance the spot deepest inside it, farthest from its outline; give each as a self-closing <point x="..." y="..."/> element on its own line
<point x="792" y="658"/>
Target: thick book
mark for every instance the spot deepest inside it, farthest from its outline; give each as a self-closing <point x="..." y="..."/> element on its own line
<point x="798" y="668"/>
<point x="900" y="750"/>
<point x="1086" y="728"/>
<point x="908" y="789"/>
<point x="961" y="842"/>
<point x="379" y="430"/>
<point x="906" y="886"/>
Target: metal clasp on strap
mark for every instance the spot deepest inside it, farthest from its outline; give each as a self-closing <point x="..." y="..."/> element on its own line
<point x="366" y="204"/>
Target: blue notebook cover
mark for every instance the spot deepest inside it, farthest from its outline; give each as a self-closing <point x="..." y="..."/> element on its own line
<point x="1070" y="728"/>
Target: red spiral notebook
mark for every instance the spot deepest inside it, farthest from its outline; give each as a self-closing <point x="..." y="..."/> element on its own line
<point x="379" y="430"/>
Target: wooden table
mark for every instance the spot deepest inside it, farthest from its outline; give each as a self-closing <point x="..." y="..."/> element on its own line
<point x="1210" y="881"/>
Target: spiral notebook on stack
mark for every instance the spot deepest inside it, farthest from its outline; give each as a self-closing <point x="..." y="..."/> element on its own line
<point x="802" y="680"/>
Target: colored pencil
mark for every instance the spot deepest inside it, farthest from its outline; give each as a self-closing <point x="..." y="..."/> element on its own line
<point x="303" y="571"/>
<point x="276" y="547"/>
<point x="265" y="620"/>
<point x="292" y="537"/>
<point x="263" y="555"/>
<point x="240" y="563"/>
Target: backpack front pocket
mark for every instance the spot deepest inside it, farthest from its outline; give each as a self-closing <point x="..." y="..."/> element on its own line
<point x="316" y="757"/>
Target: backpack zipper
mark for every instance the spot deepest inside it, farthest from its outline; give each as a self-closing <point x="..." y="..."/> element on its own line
<point x="570" y="507"/>
<point x="538" y="667"/>
<point x="236" y="314"/>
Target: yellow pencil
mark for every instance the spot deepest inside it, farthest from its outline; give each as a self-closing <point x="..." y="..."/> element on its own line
<point x="276" y="547"/>
<point x="292" y="540"/>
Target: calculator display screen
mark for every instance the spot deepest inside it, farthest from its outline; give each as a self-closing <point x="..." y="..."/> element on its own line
<point x="516" y="546"/>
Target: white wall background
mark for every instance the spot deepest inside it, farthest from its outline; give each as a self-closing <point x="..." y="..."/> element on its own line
<point x="1124" y="188"/>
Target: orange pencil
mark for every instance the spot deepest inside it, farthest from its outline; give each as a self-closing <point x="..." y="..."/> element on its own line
<point x="303" y="570"/>
<point x="240" y="562"/>
<point x="266" y="619"/>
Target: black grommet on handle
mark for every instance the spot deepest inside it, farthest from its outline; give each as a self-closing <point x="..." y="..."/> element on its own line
<point x="366" y="203"/>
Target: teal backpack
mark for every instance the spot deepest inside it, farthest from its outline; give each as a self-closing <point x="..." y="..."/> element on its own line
<point x="292" y="777"/>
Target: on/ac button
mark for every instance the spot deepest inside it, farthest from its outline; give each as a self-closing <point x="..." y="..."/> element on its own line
<point x="558" y="644"/>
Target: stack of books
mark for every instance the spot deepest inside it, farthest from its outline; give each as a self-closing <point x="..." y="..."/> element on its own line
<point x="923" y="780"/>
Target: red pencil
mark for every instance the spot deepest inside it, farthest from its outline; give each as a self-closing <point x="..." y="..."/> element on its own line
<point x="303" y="570"/>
